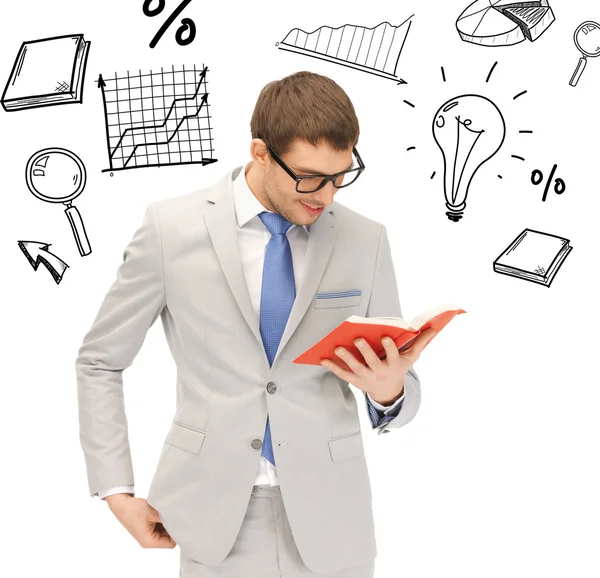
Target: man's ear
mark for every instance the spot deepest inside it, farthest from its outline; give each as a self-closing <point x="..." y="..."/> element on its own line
<point x="259" y="152"/>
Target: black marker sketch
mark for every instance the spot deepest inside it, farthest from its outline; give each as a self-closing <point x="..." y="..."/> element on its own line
<point x="374" y="50"/>
<point x="504" y="22"/>
<point x="487" y="78"/>
<point x="559" y="185"/>
<point x="56" y="175"/>
<point x="187" y="25"/>
<point x="491" y="70"/>
<point x="469" y="130"/>
<point x="47" y="72"/>
<point x="37" y="253"/>
<point x="520" y="94"/>
<point x="587" y="40"/>
<point x="157" y="119"/>
<point x="533" y="256"/>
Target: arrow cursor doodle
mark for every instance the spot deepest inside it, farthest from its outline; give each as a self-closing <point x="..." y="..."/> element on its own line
<point x="37" y="253"/>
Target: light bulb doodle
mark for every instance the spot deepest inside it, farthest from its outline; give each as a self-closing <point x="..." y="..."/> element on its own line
<point x="469" y="130"/>
<point x="587" y="40"/>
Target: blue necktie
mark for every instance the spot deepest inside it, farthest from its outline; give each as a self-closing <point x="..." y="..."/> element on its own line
<point x="277" y="296"/>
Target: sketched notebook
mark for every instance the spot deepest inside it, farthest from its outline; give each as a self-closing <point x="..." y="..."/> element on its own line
<point x="47" y="72"/>
<point x="533" y="256"/>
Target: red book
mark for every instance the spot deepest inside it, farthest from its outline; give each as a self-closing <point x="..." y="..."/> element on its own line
<point x="373" y="329"/>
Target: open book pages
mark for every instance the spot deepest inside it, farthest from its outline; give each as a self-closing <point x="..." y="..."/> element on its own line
<point x="415" y="323"/>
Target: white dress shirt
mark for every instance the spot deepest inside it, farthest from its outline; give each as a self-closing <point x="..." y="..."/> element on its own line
<point x="253" y="237"/>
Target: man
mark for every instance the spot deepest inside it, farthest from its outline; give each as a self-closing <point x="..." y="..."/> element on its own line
<point x="262" y="473"/>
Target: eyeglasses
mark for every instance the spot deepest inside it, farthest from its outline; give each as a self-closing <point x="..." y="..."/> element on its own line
<point x="312" y="183"/>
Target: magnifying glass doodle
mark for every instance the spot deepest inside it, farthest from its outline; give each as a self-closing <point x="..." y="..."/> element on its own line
<point x="587" y="40"/>
<point x="56" y="175"/>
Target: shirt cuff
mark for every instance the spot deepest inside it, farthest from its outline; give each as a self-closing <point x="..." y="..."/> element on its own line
<point x="116" y="490"/>
<point x="386" y="408"/>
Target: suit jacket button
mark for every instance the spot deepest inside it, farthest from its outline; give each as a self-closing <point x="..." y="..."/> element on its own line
<point x="256" y="444"/>
<point x="271" y="387"/>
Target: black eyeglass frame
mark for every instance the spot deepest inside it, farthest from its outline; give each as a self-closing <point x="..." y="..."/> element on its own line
<point x="325" y="178"/>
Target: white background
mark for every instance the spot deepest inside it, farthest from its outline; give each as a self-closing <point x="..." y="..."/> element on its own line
<point x="497" y="475"/>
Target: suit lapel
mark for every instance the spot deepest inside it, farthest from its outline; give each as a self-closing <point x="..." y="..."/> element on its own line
<point x="222" y="227"/>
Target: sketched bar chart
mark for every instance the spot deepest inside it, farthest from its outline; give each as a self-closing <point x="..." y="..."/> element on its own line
<point x="157" y="119"/>
<point x="375" y="50"/>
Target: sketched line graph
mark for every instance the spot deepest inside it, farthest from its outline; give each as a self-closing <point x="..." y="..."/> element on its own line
<point x="157" y="119"/>
<point x="374" y="50"/>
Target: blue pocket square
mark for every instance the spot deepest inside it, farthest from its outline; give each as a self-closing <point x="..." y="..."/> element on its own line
<point x="333" y="294"/>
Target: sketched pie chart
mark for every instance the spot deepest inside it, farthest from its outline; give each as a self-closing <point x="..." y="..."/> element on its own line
<point x="504" y="22"/>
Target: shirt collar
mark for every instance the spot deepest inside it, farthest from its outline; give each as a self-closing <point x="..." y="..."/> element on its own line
<point x="247" y="206"/>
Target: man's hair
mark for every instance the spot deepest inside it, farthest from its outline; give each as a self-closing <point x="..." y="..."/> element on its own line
<point x="305" y="106"/>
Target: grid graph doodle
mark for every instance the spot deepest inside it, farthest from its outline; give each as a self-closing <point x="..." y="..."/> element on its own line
<point x="157" y="119"/>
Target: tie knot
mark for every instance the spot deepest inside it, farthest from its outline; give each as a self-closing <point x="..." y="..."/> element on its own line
<point x="274" y="222"/>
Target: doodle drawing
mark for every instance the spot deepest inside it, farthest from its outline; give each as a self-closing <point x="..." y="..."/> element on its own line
<point x="504" y="22"/>
<point x="47" y="72"/>
<point x="373" y="50"/>
<point x="157" y="119"/>
<point x="587" y="40"/>
<point x="559" y="185"/>
<point x="57" y="175"/>
<point x="37" y="253"/>
<point x="469" y="130"/>
<point x="187" y="24"/>
<point x="533" y="256"/>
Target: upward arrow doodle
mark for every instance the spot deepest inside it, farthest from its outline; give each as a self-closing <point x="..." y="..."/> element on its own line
<point x="37" y="253"/>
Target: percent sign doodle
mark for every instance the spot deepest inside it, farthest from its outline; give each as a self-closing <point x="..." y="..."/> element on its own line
<point x="559" y="185"/>
<point x="187" y="25"/>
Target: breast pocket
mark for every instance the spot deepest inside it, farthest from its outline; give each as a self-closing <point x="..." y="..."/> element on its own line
<point x="345" y="298"/>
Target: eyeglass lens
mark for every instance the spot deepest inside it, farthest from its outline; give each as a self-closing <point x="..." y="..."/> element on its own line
<point x="312" y="184"/>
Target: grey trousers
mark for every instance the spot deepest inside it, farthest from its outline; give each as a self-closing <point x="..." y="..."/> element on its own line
<point x="265" y="547"/>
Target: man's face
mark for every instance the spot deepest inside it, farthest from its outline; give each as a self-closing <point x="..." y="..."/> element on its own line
<point x="279" y="187"/>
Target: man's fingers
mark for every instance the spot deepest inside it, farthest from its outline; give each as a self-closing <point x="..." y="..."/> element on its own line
<point x="420" y="342"/>
<point x="161" y="538"/>
<point x="153" y="514"/>
<point x="157" y="537"/>
<point x="429" y="335"/>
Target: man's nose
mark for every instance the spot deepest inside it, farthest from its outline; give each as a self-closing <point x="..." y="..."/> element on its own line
<point x="325" y="195"/>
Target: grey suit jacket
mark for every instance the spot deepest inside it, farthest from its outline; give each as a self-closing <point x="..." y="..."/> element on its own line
<point x="183" y="265"/>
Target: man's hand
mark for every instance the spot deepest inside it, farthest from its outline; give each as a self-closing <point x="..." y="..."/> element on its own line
<point x="382" y="379"/>
<point x="141" y="520"/>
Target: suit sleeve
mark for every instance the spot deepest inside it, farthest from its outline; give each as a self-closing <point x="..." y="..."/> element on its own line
<point x="131" y="306"/>
<point x="384" y="301"/>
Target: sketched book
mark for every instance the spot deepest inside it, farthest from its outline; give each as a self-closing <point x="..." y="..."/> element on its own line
<point x="533" y="256"/>
<point x="373" y="329"/>
<point x="47" y="72"/>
